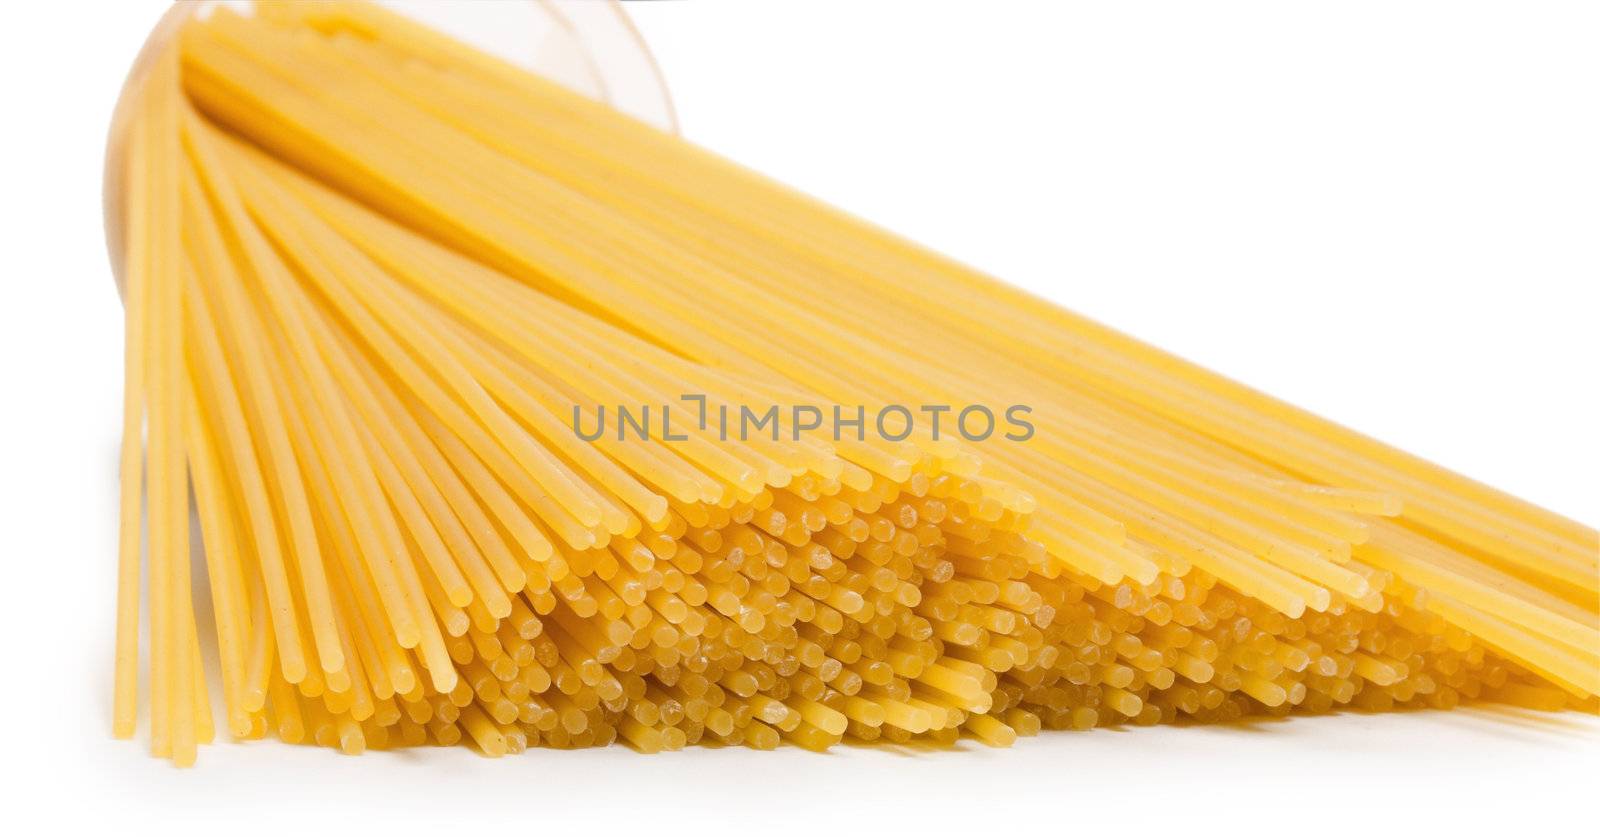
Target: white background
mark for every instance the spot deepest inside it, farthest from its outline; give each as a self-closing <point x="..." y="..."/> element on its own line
<point x="1388" y="212"/>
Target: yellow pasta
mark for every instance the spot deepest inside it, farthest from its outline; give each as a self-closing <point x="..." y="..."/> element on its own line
<point x="462" y="369"/>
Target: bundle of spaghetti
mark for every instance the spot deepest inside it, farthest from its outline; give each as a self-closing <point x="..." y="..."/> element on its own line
<point x="409" y="275"/>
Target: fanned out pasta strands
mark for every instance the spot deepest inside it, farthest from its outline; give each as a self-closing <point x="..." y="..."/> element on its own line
<point x="418" y="329"/>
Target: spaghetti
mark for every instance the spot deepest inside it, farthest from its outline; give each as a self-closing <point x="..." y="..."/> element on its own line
<point x="377" y="284"/>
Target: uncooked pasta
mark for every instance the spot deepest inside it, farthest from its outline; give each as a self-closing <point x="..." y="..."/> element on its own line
<point x="512" y="421"/>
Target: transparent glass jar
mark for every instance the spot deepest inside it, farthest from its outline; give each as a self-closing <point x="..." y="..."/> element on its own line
<point x="591" y="47"/>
